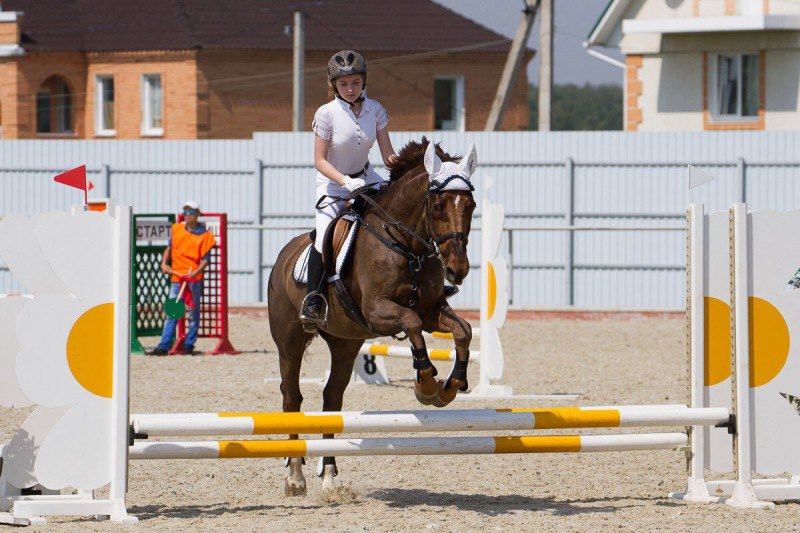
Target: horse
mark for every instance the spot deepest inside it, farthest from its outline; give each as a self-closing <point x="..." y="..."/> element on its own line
<point x="412" y="235"/>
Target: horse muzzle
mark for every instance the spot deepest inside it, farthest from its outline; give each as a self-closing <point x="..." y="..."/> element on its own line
<point x="453" y="254"/>
<point x="456" y="278"/>
<point x="456" y="267"/>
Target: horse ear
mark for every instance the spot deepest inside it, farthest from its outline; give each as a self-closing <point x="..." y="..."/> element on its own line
<point x="470" y="163"/>
<point x="432" y="162"/>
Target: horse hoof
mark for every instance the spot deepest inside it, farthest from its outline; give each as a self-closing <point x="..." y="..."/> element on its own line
<point x="294" y="487"/>
<point x="426" y="383"/>
<point x="445" y="395"/>
<point x="328" y="474"/>
<point x="425" y="399"/>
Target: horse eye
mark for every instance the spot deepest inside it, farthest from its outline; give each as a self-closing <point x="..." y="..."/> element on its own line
<point x="438" y="207"/>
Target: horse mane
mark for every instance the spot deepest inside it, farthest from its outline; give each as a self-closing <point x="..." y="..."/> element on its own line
<point x="412" y="156"/>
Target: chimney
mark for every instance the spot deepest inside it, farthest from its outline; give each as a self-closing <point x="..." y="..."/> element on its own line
<point x="10" y="32"/>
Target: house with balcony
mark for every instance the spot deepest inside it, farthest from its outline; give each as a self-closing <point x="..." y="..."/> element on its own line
<point x="214" y="69"/>
<point x="706" y="64"/>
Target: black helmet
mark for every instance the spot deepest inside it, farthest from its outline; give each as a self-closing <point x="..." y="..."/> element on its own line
<point x="344" y="63"/>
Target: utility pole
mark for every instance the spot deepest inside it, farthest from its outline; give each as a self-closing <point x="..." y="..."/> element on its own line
<point x="299" y="51"/>
<point x="512" y="66"/>
<point x="545" y="63"/>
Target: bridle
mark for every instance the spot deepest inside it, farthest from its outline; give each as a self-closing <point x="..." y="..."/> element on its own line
<point x="438" y="187"/>
<point x="391" y="227"/>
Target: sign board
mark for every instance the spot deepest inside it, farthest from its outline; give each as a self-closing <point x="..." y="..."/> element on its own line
<point x="153" y="230"/>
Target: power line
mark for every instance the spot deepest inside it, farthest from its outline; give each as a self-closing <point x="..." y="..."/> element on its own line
<point x="281" y="77"/>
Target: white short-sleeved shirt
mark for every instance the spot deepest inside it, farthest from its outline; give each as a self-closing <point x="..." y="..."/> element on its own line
<point x="350" y="137"/>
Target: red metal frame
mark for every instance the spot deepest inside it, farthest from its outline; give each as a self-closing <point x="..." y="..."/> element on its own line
<point x="214" y="304"/>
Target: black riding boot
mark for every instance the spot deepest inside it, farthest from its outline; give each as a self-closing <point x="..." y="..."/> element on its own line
<point x="314" y="309"/>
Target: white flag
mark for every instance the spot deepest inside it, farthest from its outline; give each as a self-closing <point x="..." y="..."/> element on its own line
<point x="697" y="177"/>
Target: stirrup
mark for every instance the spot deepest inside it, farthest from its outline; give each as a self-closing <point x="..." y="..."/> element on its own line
<point x="311" y="321"/>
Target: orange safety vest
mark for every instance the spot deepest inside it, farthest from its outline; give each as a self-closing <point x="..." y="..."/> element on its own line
<point x="188" y="249"/>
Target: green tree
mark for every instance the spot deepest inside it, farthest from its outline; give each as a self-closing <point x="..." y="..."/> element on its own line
<point x="573" y="108"/>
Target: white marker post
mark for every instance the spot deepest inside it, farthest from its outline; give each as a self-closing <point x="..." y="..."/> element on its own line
<point x="494" y="308"/>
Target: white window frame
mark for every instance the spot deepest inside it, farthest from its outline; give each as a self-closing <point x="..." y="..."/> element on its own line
<point x="713" y="89"/>
<point x="148" y="130"/>
<point x="460" y="112"/>
<point x="99" y="129"/>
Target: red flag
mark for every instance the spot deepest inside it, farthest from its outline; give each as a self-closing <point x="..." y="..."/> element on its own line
<point x="76" y="178"/>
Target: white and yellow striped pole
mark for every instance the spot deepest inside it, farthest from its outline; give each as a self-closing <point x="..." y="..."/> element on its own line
<point x="207" y="424"/>
<point x="247" y="449"/>
<point x="390" y="350"/>
<point x="476" y="332"/>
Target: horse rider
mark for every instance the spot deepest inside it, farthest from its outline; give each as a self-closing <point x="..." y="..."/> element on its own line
<point x="344" y="131"/>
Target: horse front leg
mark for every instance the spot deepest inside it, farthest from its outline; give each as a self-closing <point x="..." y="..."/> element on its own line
<point x="384" y="315"/>
<point x="462" y="336"/>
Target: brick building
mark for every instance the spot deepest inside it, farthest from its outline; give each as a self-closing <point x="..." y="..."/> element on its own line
<point x="204" y="69"/>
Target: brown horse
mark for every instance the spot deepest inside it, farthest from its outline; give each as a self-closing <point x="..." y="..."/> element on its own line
<point x="413" y="235"/>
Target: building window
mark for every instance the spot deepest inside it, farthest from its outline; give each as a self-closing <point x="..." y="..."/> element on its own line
<point x="735" y="87"/>
<point x="448" y="103"/>
<point x="152" y="105"/>
<point x="54" y="107"/>
<point x="104" y="105"/>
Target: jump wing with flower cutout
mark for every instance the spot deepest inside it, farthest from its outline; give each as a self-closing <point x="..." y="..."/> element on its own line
<point x="56" y="348"/>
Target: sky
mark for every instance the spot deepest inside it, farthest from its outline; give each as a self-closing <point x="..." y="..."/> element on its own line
<point x="573" y="21"/>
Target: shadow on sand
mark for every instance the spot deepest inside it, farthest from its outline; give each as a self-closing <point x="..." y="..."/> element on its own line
<point x="509" y="504"/>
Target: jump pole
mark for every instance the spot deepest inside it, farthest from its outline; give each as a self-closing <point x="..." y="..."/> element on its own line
<point x="247" y="449"/>
<point x="390" y="350"/>
<point x="208" y="424"/>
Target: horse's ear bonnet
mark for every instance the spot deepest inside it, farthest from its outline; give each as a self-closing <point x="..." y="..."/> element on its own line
<point x="450" y="176"/>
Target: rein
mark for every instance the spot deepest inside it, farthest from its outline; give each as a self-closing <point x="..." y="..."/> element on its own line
<point x="394" y="243"/>
<point x="430" y="245"/>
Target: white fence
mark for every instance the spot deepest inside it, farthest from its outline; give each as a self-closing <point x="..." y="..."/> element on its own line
<point x="634" y="180"/>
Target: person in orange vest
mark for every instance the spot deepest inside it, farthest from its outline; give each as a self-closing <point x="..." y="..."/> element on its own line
<point x="184" y="259"/>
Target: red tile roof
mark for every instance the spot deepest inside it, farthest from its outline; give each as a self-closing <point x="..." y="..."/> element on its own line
<point x="128" y="25"/>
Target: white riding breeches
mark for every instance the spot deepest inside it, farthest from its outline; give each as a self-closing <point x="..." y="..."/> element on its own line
<point x="330" y="211"/>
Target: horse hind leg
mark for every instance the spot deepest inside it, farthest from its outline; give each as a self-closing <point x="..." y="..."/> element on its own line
<point x="292" y="342"/>
<point x="343" y="357"/>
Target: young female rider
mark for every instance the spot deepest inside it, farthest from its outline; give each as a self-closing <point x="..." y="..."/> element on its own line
<point x="345" y="129"/>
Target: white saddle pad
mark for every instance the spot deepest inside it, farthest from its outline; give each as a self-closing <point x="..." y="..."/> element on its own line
<point x="301" y="266"/>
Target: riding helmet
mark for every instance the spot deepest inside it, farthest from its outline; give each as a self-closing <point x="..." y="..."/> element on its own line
<point x="344" y="63"/>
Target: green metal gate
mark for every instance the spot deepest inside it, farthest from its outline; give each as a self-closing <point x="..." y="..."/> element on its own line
<point x="149" y="286"/>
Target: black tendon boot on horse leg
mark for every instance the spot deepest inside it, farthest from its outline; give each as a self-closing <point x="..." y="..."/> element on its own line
<point x="314" y="310"/>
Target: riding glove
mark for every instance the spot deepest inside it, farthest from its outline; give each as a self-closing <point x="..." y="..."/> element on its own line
<point x="351" y="184"/>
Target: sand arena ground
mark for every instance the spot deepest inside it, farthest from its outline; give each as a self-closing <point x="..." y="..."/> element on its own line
<point x="618" y="360"/>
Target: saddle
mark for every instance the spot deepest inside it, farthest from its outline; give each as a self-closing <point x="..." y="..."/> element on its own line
<point x="336" y="236"/>
<point x="335" y="249"/>
<point x="339" y="238"/>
